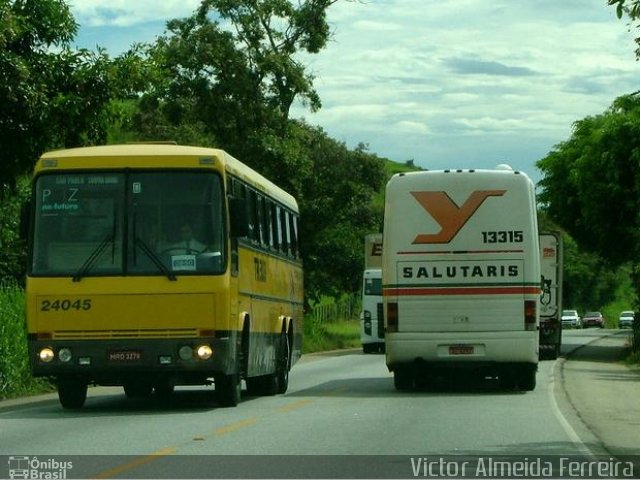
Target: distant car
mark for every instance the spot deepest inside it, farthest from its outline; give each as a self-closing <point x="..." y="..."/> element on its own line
<point x="626" y="319"/>
<point x="570" y="318"/>
<point x="593" y="319"/>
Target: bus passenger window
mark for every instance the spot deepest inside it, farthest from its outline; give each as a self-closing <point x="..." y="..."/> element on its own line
<point x="254" y="231"/>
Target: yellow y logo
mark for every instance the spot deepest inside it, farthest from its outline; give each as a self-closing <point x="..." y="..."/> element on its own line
<point x="447" y="213"/>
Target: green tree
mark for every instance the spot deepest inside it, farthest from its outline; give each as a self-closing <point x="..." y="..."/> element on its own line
<point x="591" y="183"/>
<point x="28" y="30"/>
<point x="12" y="247"/>
<point x="589" y="281"/>
<point x="269" y="34"/>
<point x="51" y="95"/>
<point x="230" y="72"/>
<point x="338" y="210"/>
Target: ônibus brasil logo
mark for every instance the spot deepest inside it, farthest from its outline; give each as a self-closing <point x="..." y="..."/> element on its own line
<point x="23" y="467"/>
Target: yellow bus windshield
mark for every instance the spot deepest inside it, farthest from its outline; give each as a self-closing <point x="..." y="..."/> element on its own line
<point x="129" y="223"/>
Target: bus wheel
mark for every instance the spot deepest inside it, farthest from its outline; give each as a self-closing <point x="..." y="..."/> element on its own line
<point x="403" y="380"/>
<point x="228" y="389"/>
<point x="282" y="368"/>
<point x="255" y="386"/>
<point x="508" y="380"/>
<point x="164" y="390"/>
<point x="72" y="393"/>
<point x="277" y="382"/>
<point x="138" y="390"/>
<point x="527" y="380"/>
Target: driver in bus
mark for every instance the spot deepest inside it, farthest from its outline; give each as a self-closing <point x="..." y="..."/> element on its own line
<point x="188" y="244"/>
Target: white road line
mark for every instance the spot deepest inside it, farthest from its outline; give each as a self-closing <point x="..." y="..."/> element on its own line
<point x="571" y="433"/>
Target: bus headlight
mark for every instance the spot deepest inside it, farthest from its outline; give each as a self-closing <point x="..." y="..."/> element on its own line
<point x="64" y="354"/>
<point x="185" y="352"/>
<point x="204" y="352"/>
<point x="46" y="355"/>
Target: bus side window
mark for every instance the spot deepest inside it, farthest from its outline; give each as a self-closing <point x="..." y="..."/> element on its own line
<point x="275" y="223"/>
<point x="286" y="234"/>
<point x="254" y="231"/>
<point x="262" y="236"/>
<point x="267" y="223"/>
<point x="293" y="226"/>
<point x="277" y="227"/>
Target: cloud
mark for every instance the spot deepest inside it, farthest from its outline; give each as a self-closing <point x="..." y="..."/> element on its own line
<point x="127" y="13"/>
<point x="467" y="66"/>
<point x="466" y="82"/>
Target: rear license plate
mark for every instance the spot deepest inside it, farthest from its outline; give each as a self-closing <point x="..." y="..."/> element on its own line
<point x="461" y="350"/>
<point x="124" y="356"/>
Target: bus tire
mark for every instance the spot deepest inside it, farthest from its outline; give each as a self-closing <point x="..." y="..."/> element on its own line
<point x="403" y="380"/>
<point x="254" y="386"/>
<point x="282" y="368"/>
<point x="138" y="390"/>
<point x="277" y="382"/>
<point x="527" y="379"/>
<point x="164" y="390"/>
<point x="72" y="393"/>
<point x="508" y="379"/>
<point x="228" y="389"/>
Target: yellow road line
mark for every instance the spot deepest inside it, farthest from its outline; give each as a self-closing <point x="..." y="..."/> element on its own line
<point x="236" y="426"/>
<point x="294" y="405"/>
<point x="135" y="463"/>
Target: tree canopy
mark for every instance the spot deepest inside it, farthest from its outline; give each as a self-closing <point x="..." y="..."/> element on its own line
<point x="591" y="184"/>
<point x="50" y="94"/>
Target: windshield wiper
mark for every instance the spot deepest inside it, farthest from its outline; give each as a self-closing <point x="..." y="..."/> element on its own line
<point x="93" y="257"/>
<point x="155" y="259"/>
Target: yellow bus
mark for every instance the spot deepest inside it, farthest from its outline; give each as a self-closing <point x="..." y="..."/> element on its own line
<point x="153" y="266"/>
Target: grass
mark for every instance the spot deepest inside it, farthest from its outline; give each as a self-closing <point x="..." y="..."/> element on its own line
<point x="15" y="377"/>
<point x="325" y="336"/>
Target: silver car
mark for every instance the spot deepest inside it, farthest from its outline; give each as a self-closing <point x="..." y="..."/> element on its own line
<point x="570" y="318"/>
<point x="626" y="319"/>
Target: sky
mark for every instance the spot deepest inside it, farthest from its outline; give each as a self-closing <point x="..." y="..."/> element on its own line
<point x="447" y="84"/>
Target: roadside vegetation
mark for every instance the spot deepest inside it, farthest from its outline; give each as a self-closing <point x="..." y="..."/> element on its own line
<point x="327" y="336"/>
<point x="333" y="324"/>
<point x="15" y="378"/>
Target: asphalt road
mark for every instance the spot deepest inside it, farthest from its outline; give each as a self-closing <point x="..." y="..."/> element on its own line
<point x="337" y="405"/>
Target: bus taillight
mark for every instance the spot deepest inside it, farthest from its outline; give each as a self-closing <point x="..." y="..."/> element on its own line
<point x="530" y="314"/>
<point x="392" y="317"/>
<point x="367" y="322"/>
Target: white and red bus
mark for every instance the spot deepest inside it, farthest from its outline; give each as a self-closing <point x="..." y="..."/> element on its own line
<point x="461" y="275"/>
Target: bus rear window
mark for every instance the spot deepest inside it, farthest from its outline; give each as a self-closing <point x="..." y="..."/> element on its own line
<point x="373" y="286"/>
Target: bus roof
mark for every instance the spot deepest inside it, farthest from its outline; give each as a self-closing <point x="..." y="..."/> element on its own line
<point x="164" y="156"/>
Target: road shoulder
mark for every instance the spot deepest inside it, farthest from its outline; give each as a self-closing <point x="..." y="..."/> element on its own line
<point x="603" y="394"/>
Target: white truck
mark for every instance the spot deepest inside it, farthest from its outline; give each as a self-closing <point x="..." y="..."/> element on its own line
<point x="371" y="318"/>
<point x="461" y="275"/>
<point x="551" y="266"/>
